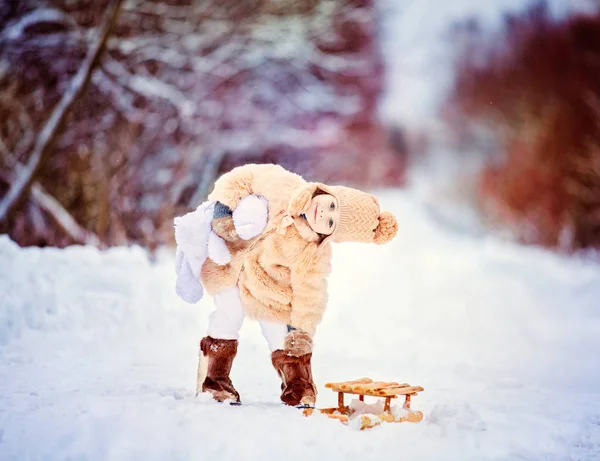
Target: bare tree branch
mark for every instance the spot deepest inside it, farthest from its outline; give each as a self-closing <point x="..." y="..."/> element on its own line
<point x="51" y="129"/>
<point x="59" y="214"/>
<point x="179" y="86"/>
<point x="209" y="174"/>
<point x="62" y="217"/>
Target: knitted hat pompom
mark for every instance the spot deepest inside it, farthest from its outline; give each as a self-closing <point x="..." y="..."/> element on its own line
<point x="387" y="228"/>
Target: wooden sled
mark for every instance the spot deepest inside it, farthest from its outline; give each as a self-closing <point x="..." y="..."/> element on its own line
<point x="366" y="386"/>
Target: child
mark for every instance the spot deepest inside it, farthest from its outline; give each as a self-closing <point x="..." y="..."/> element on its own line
<point x="272" y="266"/>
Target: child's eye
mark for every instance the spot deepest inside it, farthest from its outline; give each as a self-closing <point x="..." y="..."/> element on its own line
<point x="332" y="206"/>
<point x="331" y="223"/>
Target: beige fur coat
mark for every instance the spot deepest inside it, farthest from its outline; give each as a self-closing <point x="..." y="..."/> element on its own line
<point x="282" y="274"/>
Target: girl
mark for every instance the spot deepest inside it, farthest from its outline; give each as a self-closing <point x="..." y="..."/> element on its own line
<point x="277" y="229"/>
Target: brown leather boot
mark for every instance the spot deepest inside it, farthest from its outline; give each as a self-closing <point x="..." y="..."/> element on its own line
<point x="214" y="368"/>
<point x="293" y="366"/>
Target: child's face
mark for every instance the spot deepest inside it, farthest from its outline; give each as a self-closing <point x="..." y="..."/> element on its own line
<point x="323" y="214"/>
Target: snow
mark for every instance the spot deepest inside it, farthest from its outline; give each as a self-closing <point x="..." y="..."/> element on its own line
<point x="98" y="355"/>
<point x="16" y="30"/>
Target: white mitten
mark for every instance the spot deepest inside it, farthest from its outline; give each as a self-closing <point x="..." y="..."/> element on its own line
<point x="217" y="250"/>
<point x="191" y="234"/>
<point x="250" y="216"/>
<point x="187" y="286"/>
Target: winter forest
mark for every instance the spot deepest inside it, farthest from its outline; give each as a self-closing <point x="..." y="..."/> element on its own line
<point x="476" y="123"/>
<point x="180" y="92"/>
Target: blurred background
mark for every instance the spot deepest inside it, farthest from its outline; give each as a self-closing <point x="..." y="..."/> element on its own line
<point x="116" y="116"/>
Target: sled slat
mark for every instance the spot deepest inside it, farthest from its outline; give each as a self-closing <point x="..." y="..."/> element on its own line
<point x="366" y="386"/>
<point x="359" y="393"/>
<point x="385" y="386"/>
<point x="397" y="391"/>
<point x="376" y="385"/>
<point x="373" y="388"/>
<point x="347" y="385"/>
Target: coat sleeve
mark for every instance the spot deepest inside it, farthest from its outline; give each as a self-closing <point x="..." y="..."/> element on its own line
<point x="309" y="295"/>
<point x="233" y="186"/>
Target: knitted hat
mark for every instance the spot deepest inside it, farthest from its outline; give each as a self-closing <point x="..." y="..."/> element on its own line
<point x="360" y="217"/>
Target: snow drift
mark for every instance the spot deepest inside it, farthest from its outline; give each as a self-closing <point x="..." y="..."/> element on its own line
<point x="98" y="355"/>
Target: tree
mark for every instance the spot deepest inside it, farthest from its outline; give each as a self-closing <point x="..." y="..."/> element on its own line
<point x="184" y="90"/>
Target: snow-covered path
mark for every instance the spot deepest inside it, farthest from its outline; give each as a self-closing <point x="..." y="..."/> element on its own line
<point x="98" y="356"/>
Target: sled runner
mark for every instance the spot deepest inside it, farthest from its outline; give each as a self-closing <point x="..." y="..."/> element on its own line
<point x="366" y="416"/>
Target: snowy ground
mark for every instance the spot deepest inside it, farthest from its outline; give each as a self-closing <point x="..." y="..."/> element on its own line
<point x="98" y="356"/>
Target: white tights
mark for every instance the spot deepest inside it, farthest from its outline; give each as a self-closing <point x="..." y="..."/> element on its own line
<point x="227" y="319"/>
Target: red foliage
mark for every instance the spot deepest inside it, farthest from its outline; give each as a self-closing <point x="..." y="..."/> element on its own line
<point x="538" y="93"/>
